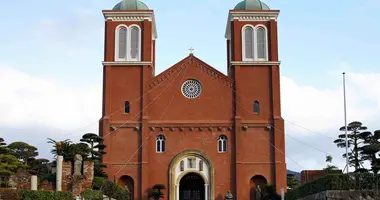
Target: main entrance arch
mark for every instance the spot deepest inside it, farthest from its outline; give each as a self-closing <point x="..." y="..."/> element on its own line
<point x="192" y="187"/>
<point x="188" y="172"/>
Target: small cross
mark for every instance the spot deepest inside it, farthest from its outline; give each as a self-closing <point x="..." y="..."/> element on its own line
<point x="191" y="50"/>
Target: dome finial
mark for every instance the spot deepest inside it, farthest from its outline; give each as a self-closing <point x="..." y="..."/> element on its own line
<point x="251" y="5"/>
<point x="131" y="5"/>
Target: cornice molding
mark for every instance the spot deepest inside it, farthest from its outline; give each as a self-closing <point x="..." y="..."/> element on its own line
<point x="214" y="73"/>
<point x="127" y="63"/>
<point x="132" y="16"/>
<point x="166" y="75"/>
<point x="253" y="16"/>
<point x="255" y="63"/>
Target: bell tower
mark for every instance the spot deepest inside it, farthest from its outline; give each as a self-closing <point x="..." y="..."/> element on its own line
<point x="253" y="64"/>
<point x="129" y="64"/>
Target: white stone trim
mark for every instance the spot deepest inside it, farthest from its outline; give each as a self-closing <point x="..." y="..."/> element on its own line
<point x="249" y="16"/>
<point x="255" y="63"/>
<point x="132" y="16"/>
<point x="131" y="63"/>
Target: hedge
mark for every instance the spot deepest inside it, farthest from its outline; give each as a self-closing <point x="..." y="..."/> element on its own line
<point x="92" y="195"/>
<point x="44" y="195"/>
<point x="362" y="181"/>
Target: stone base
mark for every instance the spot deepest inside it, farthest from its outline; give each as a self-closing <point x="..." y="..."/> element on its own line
<point x="343" y="195"/>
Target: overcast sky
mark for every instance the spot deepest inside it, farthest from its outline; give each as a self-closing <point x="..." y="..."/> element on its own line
<point x="51" y="72"/>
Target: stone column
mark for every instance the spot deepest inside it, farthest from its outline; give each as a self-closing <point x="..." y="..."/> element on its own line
<point x="59" y="173"/>
<point x="177" y="192"/>
<point x="282" y="194"/>
<point x="206" y="191"/>
<point x="33" y="182"/>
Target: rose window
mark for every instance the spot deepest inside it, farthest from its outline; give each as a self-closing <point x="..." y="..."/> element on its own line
<point x="191" y="89"/>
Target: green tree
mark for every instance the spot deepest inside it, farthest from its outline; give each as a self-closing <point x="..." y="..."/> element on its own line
<point x="371" y="149"/>
<point x="96" y="152"/>
<point x="24" y="151"/>
<point x="60" y="148"/>
<point x="330" y="168"/>
<point x="69" y="149"/>
<point x="356" y="138"/>
<point x="156" y="192"/>
<point x="292" y="181"/>
<point x="96" y="145"/>
<point x="39" y="166"/>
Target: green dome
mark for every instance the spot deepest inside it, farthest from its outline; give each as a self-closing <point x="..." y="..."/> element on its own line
<point x="251" y="5"/>
<point x="130" y="5"/>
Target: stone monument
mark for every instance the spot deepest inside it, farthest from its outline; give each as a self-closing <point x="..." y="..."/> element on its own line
<point x="78" y="165"/>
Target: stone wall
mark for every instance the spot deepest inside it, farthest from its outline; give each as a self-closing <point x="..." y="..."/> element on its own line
<point x="75" y="184"/>
<point x="342" y="195"/>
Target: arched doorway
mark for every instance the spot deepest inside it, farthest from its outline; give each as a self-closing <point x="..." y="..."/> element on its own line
<point x="256" y="181"/>
<point x="127" y="181"/>
<point x="192" y="187"/>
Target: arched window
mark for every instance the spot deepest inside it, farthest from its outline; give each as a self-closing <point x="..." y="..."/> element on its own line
<point x="134" y="50"/>
<point x="201" y="165"/>
<point x="256" y="107"/>
<point x="121" y="43"/>
<point x="127" y="107"/>
<point x="261" y="42"/>
<point x="222" y="144"/>
<point x="128" y="43"/>
<point x="248" y="43"/>
<point x="160" y="144"/>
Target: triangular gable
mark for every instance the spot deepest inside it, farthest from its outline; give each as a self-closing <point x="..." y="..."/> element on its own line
<point x="191" y="59"/>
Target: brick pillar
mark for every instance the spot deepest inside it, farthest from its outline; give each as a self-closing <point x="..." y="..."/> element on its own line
<point x="66" y="175"/>
<point x="88" y="173"/>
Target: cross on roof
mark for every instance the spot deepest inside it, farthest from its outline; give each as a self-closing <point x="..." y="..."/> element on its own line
<point x="191" y="50"/>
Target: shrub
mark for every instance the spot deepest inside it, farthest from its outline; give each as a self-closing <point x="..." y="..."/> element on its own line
<point x="98" y="183"/>
<point x="43" y="195"/>
<point x="113" y="190"/>
<point x="357" y="181"/>
<point x="92" y="195"/>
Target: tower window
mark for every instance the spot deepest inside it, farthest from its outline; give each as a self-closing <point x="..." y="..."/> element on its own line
<point x="128" y="43"/>
<point x="256" y="107"/>
<point x="127" y="107"/>
<point x="160" y="144"/>
<point x="135" y="43"/>
<point x="248" y="43"/>
<point x="261" y="43"/>
<point x="121" y="45"/>
<point x="254" y="43"/>
<point x="222" y="144"/>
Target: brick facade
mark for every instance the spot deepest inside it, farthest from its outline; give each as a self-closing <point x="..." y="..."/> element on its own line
<point x="311" y="175"/>
<point x="191" y="127"/>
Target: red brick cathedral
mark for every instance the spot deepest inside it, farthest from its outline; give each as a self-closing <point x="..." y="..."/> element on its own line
<point x="192" y="128"/>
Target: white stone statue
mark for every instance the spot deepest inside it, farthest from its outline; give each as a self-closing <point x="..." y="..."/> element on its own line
<point x="78" y="165"/>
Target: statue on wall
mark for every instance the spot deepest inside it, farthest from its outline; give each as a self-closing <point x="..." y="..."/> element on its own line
<point x="182" y="166"/>
<point x="229" y="195"/>
<point x="78" y="165"/>
<point x="258" y="193"/>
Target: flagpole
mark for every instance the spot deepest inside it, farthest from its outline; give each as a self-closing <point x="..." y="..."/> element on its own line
<point x="345" y="120"/>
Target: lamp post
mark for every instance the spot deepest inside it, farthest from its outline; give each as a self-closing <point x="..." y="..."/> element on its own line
<point x="229" y="195"/>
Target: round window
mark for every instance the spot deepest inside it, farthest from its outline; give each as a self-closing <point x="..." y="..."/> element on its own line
<point x="191" y="89"/>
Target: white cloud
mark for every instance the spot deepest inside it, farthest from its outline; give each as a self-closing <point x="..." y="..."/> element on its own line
<point x="317" y="115"/>
<point x="29" y="100"/>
